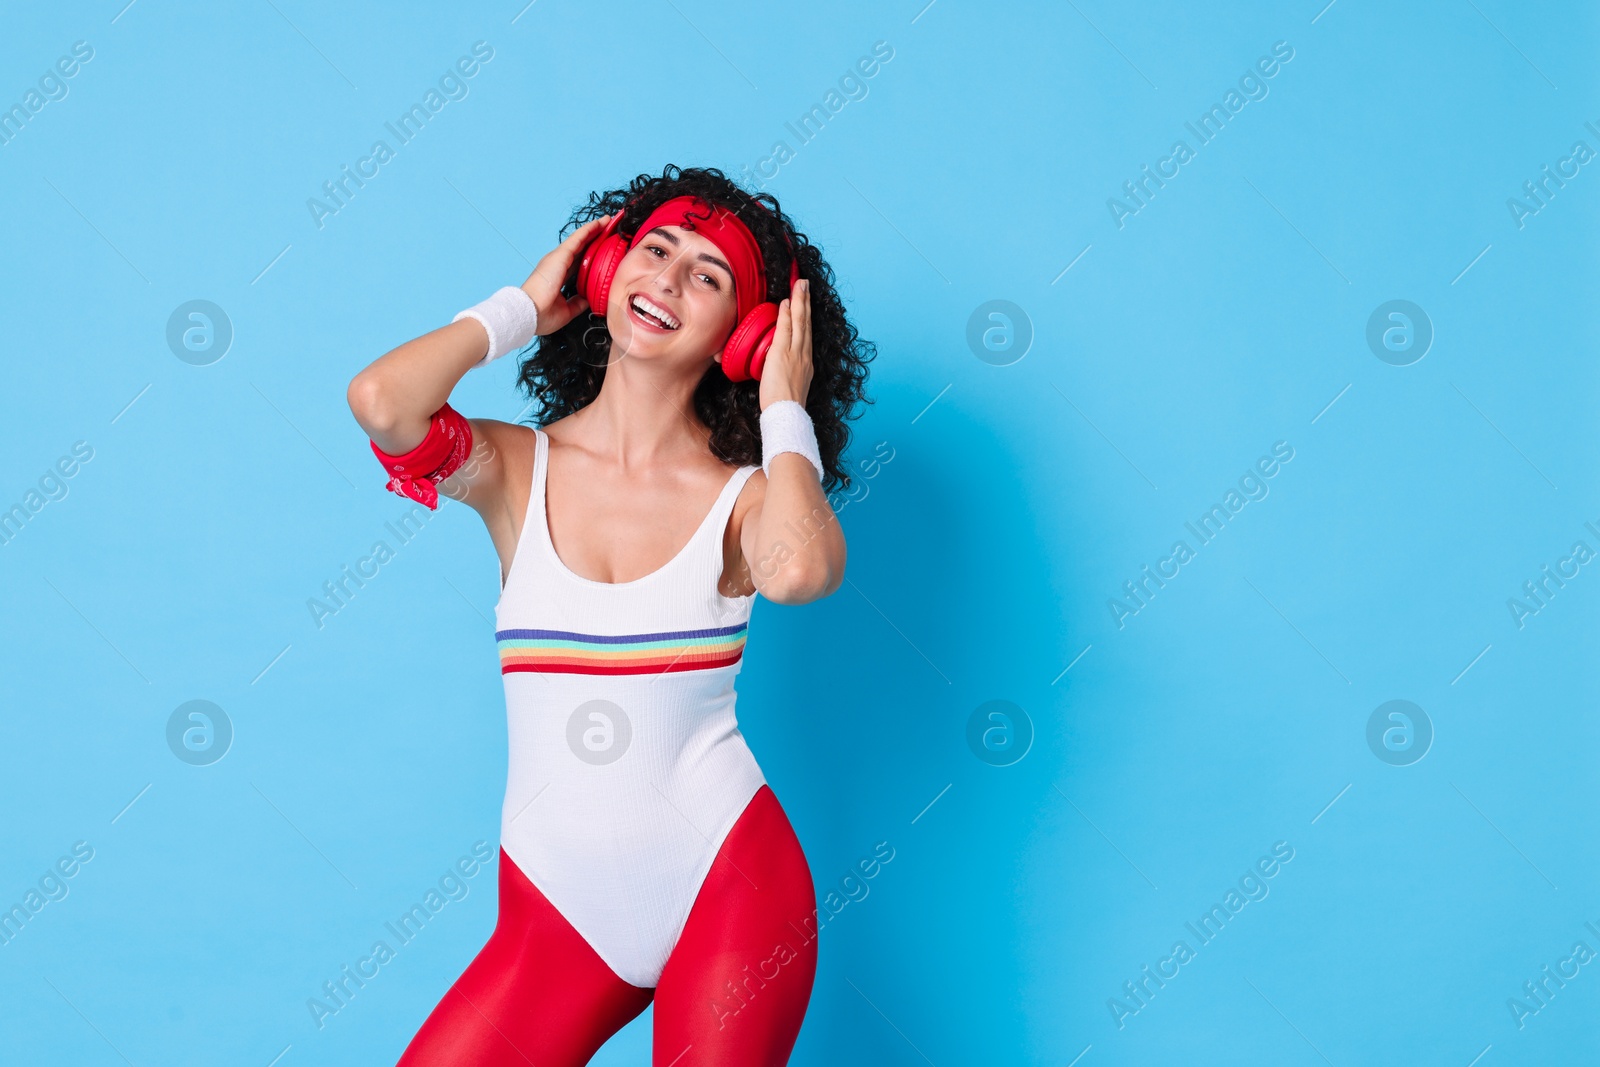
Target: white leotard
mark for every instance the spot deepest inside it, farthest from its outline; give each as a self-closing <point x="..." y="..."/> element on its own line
<point x="627" y="767"/>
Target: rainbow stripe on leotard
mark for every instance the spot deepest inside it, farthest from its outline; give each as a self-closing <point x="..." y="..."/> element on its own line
<point x="564" y="652"/>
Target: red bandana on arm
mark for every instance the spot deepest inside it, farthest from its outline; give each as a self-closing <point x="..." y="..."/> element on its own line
<point x="441" y="454"/>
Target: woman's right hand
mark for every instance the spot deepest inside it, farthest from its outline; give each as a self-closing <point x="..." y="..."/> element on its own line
<point x="544" y="284"/>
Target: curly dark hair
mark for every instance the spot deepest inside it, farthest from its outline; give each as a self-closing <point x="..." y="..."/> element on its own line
<point x="564" y="371"/>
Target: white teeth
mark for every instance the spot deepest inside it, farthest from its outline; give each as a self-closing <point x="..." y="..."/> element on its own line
<point x="656" y="312"/>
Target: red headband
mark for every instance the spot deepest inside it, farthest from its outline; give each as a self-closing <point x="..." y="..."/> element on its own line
<point x="731" y="236"/>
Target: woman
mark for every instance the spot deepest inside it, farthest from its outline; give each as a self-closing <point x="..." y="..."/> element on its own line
<point x="693" y="421"/>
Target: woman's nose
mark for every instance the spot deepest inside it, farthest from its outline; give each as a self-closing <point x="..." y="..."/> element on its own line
<point x="669" y="277"/>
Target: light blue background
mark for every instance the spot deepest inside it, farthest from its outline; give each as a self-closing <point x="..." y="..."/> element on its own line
<point x="1223" y="317"/>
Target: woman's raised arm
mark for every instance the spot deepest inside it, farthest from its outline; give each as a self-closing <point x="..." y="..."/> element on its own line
<point x="791" y="541"/>
<point x="394" y="397"/>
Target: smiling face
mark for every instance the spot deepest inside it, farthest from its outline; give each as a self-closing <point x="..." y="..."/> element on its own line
<point x="672" y="298"/>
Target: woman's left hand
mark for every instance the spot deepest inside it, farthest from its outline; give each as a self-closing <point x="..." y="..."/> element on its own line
<point x="786" y="375"/>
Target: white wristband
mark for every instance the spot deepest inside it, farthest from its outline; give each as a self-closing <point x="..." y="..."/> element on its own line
<point x="509" y="317"/>
<point x="785" y="427"/>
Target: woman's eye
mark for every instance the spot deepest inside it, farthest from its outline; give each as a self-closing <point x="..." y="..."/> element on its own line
<point x="657" y="250"/>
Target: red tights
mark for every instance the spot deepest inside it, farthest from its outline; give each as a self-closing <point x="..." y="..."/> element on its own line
<point x="732" y="994"/>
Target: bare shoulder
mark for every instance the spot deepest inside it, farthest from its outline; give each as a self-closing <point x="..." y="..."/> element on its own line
<point x="736" y="579"/>
<point x="499" y="468"/>
<point x="749" y="500"/>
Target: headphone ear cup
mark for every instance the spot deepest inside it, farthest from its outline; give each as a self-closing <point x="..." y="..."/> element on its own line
<point x="745" y="354"/>
<point x="600" y="262"/>
<point x="598" y="265"/>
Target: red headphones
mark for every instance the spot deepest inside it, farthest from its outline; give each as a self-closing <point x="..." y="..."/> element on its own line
<point x="745" y="352"/>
